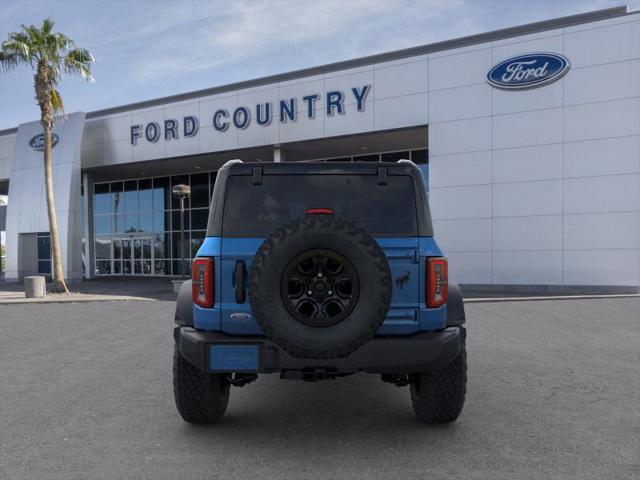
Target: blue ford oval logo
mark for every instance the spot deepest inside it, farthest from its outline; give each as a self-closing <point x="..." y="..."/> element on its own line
<point x="37" y="142"/>
<point x="528" y="71"/>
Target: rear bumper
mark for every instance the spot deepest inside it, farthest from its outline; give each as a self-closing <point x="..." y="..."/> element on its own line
<point x="419" y="352"/>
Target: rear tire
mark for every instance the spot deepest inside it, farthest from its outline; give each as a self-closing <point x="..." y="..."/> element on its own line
<point x="438" y="397"/>
<point x="200" y="397"/>
<point x="320" y="236"/>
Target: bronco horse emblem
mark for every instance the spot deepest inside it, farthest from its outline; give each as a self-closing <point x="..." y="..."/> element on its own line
<point x="402" y="280"/>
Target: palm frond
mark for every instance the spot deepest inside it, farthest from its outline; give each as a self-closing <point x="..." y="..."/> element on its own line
<point x="34" y="34"/>
<point x="47" y="26"/>
<point x="80" y="55"/>
<point x="63" y="42"/>
<point x="56" y="101"/>
<point x="79" y="61"/>
<point x="9" y="61"/>
<point x="19" y="47"/>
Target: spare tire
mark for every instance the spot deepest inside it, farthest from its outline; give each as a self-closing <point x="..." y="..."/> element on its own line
<point x="320" y="287"/>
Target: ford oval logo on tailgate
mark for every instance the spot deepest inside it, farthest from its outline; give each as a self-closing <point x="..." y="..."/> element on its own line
<point x="528" y="71"/>
<point x="37" y="142"/>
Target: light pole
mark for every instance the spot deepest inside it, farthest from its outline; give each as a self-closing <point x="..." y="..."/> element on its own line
<point x="182" y="192"/>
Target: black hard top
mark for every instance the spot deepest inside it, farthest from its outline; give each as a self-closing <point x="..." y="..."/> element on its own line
<point x="238" y="167"/>
<point x="258" y="169"/>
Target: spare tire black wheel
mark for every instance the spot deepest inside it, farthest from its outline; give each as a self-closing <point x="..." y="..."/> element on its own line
<point x="320" y="287"/>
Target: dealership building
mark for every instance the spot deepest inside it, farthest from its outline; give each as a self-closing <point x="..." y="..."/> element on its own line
<point x="528" y="138"/>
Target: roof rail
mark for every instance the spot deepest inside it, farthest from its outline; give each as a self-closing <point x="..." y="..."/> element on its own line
<point x="404" y="160"/>
<point x="232" y="162"/>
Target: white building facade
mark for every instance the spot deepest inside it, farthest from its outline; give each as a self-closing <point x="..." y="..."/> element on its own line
<point x="533" y="183"/>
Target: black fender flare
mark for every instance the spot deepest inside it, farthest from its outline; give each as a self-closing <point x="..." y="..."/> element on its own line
<point x="184" y="305"/>
<point x="455" y="306"/>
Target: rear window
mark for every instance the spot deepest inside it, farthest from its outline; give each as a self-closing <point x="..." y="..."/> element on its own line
<point x="382" y="210"/>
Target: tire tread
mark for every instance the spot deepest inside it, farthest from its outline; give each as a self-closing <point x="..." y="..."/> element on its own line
<point x="200" y="397"/>
<point x="438" y="397"/>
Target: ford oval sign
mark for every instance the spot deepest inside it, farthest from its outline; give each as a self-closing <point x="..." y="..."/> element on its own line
<point x="528" y="71"/>
<point x="37" y="142"/>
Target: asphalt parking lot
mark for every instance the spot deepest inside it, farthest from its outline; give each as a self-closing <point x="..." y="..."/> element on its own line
<point x="85" y="392"/>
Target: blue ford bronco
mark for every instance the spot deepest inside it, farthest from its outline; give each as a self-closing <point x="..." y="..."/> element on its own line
<point x="318" y="271"/>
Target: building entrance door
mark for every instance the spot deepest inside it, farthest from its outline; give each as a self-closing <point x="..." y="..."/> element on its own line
<point x="134" y="256"/>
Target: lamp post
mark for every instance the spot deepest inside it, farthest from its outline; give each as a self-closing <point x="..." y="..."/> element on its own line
<point x="182" y="192"/>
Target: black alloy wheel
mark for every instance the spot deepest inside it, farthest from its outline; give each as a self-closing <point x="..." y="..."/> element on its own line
<point x="320" y="288"/>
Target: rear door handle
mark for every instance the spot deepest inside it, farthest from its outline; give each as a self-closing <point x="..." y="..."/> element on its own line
<point x="238" y="277"/>
<point x="413" y="256"/>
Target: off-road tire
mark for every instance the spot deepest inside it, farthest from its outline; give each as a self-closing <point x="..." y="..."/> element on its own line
<point x="306" y="234"/>
<point x="200" y="397"/>
<point x="438" y="397"/>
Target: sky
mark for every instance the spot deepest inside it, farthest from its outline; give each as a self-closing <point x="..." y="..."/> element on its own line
<point x="150" y="49"/>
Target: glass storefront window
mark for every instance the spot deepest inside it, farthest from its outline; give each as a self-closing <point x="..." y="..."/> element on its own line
<point x="420" y="156"/>
<point x="117" y="248"/>
<point x="160" y="245"/>
<point x="162" y="267"/>
<point x="175" y="244"/>
<point x="176" y="267"/>
<point x="102" y="224"/>
<point x="101" y="199"/>
<point x="145" y="195"/>
<point x="131" y="223"/>
<point x="116" y="197"/>
<point x="103" y="267"/>
<point x="197" y="238"/>
<point x="200" y="190"/>
<point x="117" y="223"/>
<point x="367" y="158"/>
<point x="146" y="222"/>
<point x="161" y="194"/>
<point x="175" y="220"/>
<point x="395" y="156"/>
<point x="161" y="222"/>
<point x="103" y="247"/>
<point x="199" y="218"/>
<point x="131" y="203"/>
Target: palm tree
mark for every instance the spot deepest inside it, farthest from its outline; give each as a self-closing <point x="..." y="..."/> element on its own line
<point x="50" y="55"/>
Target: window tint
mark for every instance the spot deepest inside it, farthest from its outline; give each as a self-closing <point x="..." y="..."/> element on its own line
<point x="257" y="210"/>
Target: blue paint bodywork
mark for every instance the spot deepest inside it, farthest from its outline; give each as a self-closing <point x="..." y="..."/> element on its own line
<point x="407" y="259"/>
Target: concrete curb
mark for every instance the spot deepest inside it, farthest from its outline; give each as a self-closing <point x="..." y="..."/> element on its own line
<point x="75" y="299"/>
<point x="123" y="298"/>
<point x="548" y="298"/>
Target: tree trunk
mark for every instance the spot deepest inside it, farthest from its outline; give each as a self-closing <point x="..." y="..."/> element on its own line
<point x="59" y="284"/>
<point x="43" y="86"/>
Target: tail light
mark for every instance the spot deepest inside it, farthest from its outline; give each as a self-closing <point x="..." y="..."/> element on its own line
<point x="319" y="211"/>
<point x="437" y="282"/>
<point x="202" y="289"/>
